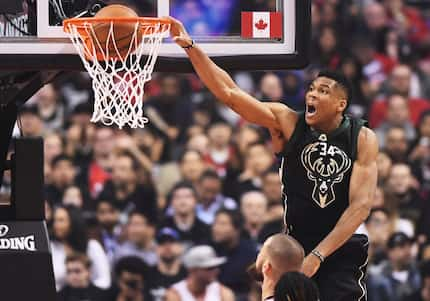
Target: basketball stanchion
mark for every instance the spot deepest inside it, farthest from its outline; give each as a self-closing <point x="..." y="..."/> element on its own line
<point x="119" y="51"/>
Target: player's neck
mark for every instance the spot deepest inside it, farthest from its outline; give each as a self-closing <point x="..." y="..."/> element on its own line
<point x="330" y="126"/>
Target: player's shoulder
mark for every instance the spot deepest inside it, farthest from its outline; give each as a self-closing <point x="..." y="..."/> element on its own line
<point x="367" y="144"/>
<point x="282" y="111"/>
<point x="367" y="135"/>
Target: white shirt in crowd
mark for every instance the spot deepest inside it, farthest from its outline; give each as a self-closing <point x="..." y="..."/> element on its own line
<point x="213" y="291"/>
<point x="100" y="272"/>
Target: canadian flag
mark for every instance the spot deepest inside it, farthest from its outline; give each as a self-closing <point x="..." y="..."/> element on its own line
<point x="262" y="25"/>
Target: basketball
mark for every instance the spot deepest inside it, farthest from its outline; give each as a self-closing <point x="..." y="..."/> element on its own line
<point x="118" y="44"/>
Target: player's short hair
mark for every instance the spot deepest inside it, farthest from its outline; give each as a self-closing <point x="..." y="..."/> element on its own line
<point x="285" y="253"/>
<point x="295" y="286"/>
<point x="340" y="79"/>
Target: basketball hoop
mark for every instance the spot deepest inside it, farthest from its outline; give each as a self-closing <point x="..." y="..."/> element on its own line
<point x="119" y="54"/>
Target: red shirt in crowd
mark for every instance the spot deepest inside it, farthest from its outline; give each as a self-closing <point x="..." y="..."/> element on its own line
<point x="378" y="111"/>
<point x="97" y="177"/>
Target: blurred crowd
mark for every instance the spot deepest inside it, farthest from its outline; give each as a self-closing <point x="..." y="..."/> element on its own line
<point x="123" y="207"/>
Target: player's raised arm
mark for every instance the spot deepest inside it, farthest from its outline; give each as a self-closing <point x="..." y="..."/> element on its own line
<point x="221" y="84"/>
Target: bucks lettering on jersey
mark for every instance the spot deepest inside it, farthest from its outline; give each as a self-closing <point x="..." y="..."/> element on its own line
<point x="316" y="172"/>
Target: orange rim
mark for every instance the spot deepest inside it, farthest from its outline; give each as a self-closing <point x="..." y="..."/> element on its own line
<point x="144" y="21"/>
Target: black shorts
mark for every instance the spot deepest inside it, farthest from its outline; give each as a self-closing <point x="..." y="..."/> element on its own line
<point x="341" y="277"/>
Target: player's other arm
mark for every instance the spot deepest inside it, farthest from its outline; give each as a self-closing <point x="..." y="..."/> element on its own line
<point x="361" y="191"/>
<point x="223" y="87"/>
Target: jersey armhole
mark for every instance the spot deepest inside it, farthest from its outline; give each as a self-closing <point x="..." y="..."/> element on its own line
<point x="357" y="124"/>
<point x="298" y="131"/>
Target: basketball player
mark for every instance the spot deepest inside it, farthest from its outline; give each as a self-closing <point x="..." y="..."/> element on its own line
<point x="329" y="170"/>
<point x="279" y="254"/>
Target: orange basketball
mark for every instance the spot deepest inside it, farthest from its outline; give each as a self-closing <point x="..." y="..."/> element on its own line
<point x="123" y="32"/>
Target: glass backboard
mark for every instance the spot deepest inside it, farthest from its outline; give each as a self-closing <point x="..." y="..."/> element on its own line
<point x="238" y="34"/>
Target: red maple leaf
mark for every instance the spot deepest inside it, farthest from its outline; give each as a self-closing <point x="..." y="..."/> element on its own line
<point x="261" y="25"/>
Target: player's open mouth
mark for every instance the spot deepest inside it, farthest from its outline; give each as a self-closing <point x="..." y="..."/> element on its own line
<point x="310" y="110"/>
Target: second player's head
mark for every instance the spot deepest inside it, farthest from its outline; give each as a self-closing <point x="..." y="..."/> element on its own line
<point x="326" y="99"/>
<point x="280" y="253"/>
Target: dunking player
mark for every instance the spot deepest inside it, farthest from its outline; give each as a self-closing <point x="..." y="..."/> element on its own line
<point x="329" y="170"/>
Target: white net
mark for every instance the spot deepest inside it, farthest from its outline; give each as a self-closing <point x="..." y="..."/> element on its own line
<point x="119" y="67"/>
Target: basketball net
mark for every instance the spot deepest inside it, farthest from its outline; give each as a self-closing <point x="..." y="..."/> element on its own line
<point x="119" y="75"/>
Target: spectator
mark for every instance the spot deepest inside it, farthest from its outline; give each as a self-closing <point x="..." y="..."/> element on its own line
<point x="73" y="196"/>
<point x="420" y="154"/>
<point x="253" y="206"/>
<point x="271" y="88"/>
<point x="272" y="189"/>
<point x="408" y="21"/>
<point x="220" y="151"/>
<point x="201" y="284"/>
<point x="139" y="241"/>
<point x="279" y="254"/>
<point x="109" y="230"/>
<point x="376" y="66"/>
<point x="375" y="19"/>
<point x="198" y="142"/>
<point x="169" y="268"/>
<point x="397" y="116"/>
<point x="62" y="176"/>
<point x="258" y="159"/>
<point x="294" y="286"/>
<point x="131" y="274"/>
<point x="50" y="109"/>
<point x="239" y="252"/>
<point x="97" y="171"/>
<point x="400" y="82"/>
<point x="81" y="113"/>
<point x="399" y="277"/>
<point x="191" y="165"/>
<point x="246" y="136"/>
<point x="191" y="229"/>
<point x="402" y="192"/>
<point x="78" y="283"/>
<point x="174" y="113"/>
<point x="384" y="167"/>
<point x="69" y="236"/>
<point x="396" y="144"/>
<point x="423" y="294"/>
<point x="379" y="230"/>
<point x="52" y="147"/>
<point x="31" y="122"/>
<point x="129" y="194"/>
<point x="327" y="48"/>
<point x="127" y="144"/>
<point x="211" y="197"/>
<point x="293" y="83"/>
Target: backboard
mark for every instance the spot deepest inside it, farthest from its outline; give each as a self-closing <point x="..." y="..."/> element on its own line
<point x="237" y="34"/>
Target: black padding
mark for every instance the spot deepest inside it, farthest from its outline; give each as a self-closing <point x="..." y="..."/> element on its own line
<point x="27" y="179"/>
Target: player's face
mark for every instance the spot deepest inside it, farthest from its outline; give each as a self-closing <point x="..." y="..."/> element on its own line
<point x="261" y="259"/>
<point x="323" y="102"/>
